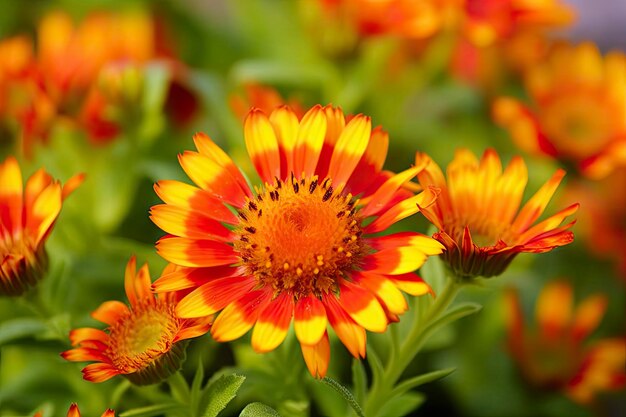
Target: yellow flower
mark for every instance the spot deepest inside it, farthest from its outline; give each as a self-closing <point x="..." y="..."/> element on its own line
<point x="26" y="219"/>
<point x="477" y="213"/>
<point x="576" y="114"/>
<point x="143" y="342"/>
<point x="301" y="246"/>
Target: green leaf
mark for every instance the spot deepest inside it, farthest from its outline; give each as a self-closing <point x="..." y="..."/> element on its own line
<point x="152" y="410"/>
<point x="258" y="410"/>
<point x="346" y="394"/>
<point x="220" y="392"/>
<point x="196" y="389"/>
<point x="411" y="383"/>
<point x="455" y="313"/>
<point x="20" y="328"/>
<point x="376" y="365"/>
<point x="178" y="386"/>
<point x="359" y="379"/>
<point x="402" y="405"/>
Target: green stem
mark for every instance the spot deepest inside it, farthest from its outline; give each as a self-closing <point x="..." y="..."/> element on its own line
<point x="381" y="389"/>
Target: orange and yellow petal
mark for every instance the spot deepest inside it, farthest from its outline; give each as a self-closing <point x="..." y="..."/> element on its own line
<point x="187" y="223"/>
<point x="317" y="357"/>
<point x="309" y="320"/>
<point x="10" y="195"/>
<point x="385" y="290"/>
<point x="213" y="296"/>
<point x="262" y="145"/>
<point x="403" y="209"/>
<point x="239" y="316"/>
<point x="183" y="195"/>
<point x="99" y="372"/>
<point x="349" y="149"/>
<point x="195" y="253"/>
<point x="110" y="312"/>
<point x="273" y="323"/>
<point x="311" y="133"/>
<point x="351" y="334"/>
<point x="363" y="307"/>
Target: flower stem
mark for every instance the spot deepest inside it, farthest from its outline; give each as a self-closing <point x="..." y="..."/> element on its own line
<point x="381" y="389"/>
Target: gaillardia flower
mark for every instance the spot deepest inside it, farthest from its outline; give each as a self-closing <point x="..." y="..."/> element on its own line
<point x="477" y="213"/>
<point x="143" y="342"/>
<point x="26" y="219"/>
<point x="301" y="245"/>
<point x="576" y="114"/>
<point x="554" y="355"/>
<point x="75" y="412"/>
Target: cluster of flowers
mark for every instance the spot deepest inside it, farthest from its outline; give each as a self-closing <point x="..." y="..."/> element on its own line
<point x="309" y="244"/>
<point x="87" y="77"/>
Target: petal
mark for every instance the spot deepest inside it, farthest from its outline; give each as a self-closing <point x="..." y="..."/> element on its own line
<point x="72" y="184"/>
<point x="537" y="204"/>
<point x="214" y="296"/>
<point x="99" y="372"/>
<point x="379" y="200"/>
<point x="349" y="332"/>
<point x="385" y="290"/>
<point x="548" y="224"/>
<point x="37" y="182"/>
<point x="183" y="278"/>
<point x="196" y="253"/>
<point x="73" y="411"/>
<point x="403" y="209"/>
<point x="285" y="124"/>
<point x="194" y="328"/>
<point x="317" y="357"/>
<point x="180" y="194"/>
<point x="44" y="211"/>
<point x="588" y="315"/>
<point x="349" y="149"/>
<point x="212" y="177"/>
<point x="192" y="224"/>
<point x="554" y="309"/>
<point x="309" y="320"/>
<point x="363" y="307"/>
<point x="412" y="284"/>
<point x="273" y="323"/>
<point x="10" y="195"/>
<point x="110" y="312"/>
<point x="262" y="145"/>
<point x="207" y="147"/>
<point x="371" y="162"/>
<point x="426" y="244"/>
<point x="310" y="141"/>
<point x="83" y="354"/>
<point x="400" y="253"/>
<point x="239" y="316"/>
<point x="87" y="333"/>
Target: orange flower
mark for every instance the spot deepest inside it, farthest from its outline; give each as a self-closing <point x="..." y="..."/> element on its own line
<point x="143" y="342"/>
<point x="554" y="356"/>
<point x="498" y="35"/>
<point x="577" y="111"/>
<point x="75" y="412"/>
<point x="300" y="246"/>
<point x="476" y="213"/>
<point x="26" y="219"/>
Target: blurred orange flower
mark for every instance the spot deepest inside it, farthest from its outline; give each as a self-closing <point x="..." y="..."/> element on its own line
<point x="75" y="412"/>
<point x="477" y="212"/>
<point x="143" y="342"/>
<point x="300" y="246"/>
<point x="554" y="356"/>
<point x="26" y="219"/>
<point x="496" y="35"/>
<point x="68" y="77"/>
<point x="577" y="112"/>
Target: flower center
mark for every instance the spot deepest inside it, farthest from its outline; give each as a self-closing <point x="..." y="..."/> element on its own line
<point x="142" y="336"/>
<point x="300" y="236"/>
